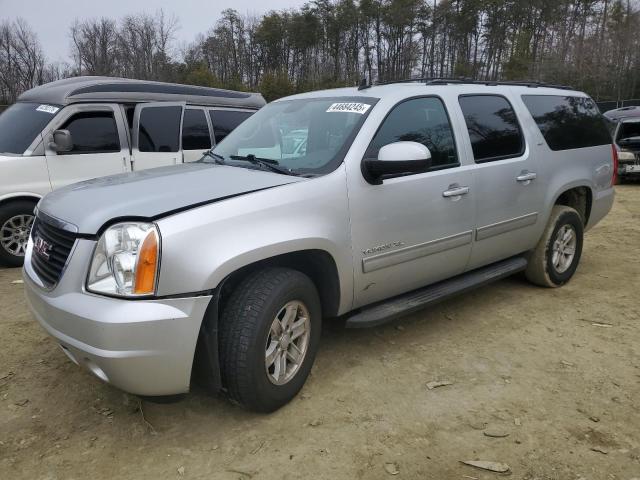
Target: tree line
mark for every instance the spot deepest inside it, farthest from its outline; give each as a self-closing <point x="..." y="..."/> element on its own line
<point x="590" y="44"/>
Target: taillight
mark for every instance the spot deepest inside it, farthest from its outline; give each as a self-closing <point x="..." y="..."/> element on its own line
<point x="614" y="177"/>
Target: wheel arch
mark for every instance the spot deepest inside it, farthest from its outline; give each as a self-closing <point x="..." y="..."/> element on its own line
<point x="579" y="197"/>
<point x="20" y="196"/>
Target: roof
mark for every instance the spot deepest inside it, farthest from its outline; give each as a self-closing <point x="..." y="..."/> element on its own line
<point x="111" y="89"/>
<point x="402" y="90"/>
<point x="624" y="113"/>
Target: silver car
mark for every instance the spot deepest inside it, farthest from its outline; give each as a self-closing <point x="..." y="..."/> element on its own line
<point x="404" y="194"/>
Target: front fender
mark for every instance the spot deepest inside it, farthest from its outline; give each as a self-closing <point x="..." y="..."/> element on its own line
<point x="201" y="247"/>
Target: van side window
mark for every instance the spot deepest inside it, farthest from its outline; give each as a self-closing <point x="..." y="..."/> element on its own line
<point x="422" y="120"/>
<point x="493" y="127"/>
<point x="92" y="132"/>
<point x="195" y="130"/>
<point x="224" y="121"/>
<point x="160" y="129"/>
<point x="568" y="122"/>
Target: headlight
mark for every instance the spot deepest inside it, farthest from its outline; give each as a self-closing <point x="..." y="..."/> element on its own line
<point x="626" y="156"/>
<point x="125" y="262"/>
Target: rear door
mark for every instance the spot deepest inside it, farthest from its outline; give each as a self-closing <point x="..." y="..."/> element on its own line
<point x="156" y="134"/>
<point x="196" y="134"/>
<point x="508" y="195"/>
<point x="100" y="145"/>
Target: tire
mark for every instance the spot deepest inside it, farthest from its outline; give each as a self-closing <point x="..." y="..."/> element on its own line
<point x="15" y="218"/>
<point x="246" y="336"/>
<point x="545" y="268"/>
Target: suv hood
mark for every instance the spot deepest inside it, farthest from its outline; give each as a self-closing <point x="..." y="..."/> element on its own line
<point x="153" y="193"/>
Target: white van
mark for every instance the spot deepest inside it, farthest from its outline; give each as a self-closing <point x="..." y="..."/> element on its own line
<point x="86" y="127"/>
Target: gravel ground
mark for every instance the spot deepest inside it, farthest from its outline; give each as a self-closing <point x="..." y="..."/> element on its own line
<point x="546" y="381"/>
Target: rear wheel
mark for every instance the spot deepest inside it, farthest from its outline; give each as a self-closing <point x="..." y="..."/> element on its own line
<point x="556" y="257"/>
<point x="269" y="335"/>
<point x="16" y="219"/>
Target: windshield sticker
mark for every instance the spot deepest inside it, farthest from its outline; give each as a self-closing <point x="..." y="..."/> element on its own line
<point x="360" y="108"/>
<point x="47" y="109"/>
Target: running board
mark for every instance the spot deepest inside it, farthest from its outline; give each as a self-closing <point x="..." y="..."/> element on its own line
<point x="406" y="303"/>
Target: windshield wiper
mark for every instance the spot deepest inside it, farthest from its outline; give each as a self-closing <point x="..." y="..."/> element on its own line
<point x="219" y="159"/>
<point x="267" y="163"/>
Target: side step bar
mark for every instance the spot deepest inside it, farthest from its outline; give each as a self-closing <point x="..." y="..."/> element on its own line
<point x="388" y="310"/>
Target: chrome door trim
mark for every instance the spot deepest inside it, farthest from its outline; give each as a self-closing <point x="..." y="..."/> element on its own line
<point x="505" y="226"/>
<point x="413" y="252"/>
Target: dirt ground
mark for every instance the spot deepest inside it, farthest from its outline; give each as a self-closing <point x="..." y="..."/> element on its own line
<point x="557" y="371"/>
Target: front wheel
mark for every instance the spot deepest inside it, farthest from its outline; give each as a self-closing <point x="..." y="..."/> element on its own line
<point x="16" y="219"/>
<point x="556" y="257"/>
<point x="269" y="336"/>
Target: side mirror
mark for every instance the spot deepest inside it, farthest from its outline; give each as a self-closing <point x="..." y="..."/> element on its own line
<point x="399" y="158"/>
<point x="62" y="141"/>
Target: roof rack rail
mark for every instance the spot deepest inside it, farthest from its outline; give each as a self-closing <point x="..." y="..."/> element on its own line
<point x="464" y="80"/>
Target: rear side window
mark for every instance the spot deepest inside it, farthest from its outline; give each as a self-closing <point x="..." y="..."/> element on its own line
<point x="422" y="120"/>
<point x="21" y="123"/>
<point x="160" y="129"/>
<point x="568" y="122"/>
<point x="224" y="121"/>
<point x="493" y="127"/>
<point x="92" y="132"/>
<point x="195" y="130"/>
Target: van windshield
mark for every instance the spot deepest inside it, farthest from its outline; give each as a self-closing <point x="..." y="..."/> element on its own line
<point x="307" y="136"/>
<point x="21" y="123"/>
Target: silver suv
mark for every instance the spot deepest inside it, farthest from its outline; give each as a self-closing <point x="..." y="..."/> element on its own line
<point x="361" y="203"/>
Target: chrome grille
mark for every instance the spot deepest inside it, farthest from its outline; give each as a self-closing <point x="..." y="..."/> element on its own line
<point x="51" y="249"/>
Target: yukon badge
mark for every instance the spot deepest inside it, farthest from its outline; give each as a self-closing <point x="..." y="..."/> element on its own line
<point x="42" y="247"/>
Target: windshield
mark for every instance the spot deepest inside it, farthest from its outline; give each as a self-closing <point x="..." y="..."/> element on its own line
<point x="305" y="136"/>
<point x="21" y="123"/>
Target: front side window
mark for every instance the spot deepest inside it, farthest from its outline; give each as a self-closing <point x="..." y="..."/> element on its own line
<point x="159" y="129"/>
<point x="21" y="123"/>
<point x="493" y="127"/>
<point x="225" y="121"/>
<point x="422" y="120"/>
<point x="568" y="122"/>
<point x="308" y="136"/>
<point x="195" y="130"/>
<point x="92" y="132"/>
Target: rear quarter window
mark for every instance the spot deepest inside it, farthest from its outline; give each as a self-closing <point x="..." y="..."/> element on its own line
<point x="568" y="122"/>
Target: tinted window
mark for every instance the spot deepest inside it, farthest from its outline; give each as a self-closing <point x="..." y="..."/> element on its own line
<point x="21" y="123"/>
<point x="195" y="130"/>
<point x="160" y="129"/>
<point x="224" y="121"/>
<point x="493" y="127"/>
<point x="422" y="120"/>
<point x="93" y="132"/>
<point x="568" y="122"/>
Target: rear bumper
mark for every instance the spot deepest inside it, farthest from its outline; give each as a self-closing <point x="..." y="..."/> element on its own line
<point x="144" y="347"/>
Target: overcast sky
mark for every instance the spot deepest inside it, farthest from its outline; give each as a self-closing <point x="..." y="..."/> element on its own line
<point x="51" y="18"/>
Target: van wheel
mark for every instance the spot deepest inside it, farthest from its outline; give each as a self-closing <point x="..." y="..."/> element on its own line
<point x="556" y="257"/>
<point x="16" y="219"/>
<point x="269" y="336"/>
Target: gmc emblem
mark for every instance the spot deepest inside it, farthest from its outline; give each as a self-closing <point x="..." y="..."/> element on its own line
<point x="42" y="247"/>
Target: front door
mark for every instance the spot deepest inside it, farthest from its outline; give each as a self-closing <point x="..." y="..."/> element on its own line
<point x="156" y="134"/>
<point x="508" y="197"/>
<point x="100" y="145"/>
<point x="417" y="229"/>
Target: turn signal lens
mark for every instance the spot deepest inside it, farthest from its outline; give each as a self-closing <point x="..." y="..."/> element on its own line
<point x="147" y="265"/>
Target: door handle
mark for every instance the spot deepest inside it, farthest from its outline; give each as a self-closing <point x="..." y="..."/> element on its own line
<point x="526" y="177"/>
<point x="455" y="191"/>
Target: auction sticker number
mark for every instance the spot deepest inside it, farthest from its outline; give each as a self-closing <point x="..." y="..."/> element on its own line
<point x="47" y="109"/>
<point x="352" y="107"/>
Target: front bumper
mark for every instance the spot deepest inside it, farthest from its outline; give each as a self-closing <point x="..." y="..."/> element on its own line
<point x="144" y="347"/>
